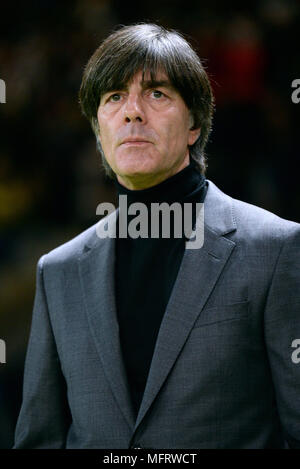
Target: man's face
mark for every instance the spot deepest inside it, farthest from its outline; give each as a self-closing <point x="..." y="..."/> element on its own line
<point x="145" y="130"/>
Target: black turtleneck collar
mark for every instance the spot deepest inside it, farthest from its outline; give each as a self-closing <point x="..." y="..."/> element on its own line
<point x="179" y="187"/>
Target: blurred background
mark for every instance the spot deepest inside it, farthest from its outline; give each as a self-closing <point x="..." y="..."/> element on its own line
<point x="51" y="179"/>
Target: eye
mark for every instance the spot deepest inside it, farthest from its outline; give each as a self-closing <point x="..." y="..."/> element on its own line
<point x="115" y="97"/>
<point x="157" y="93"/>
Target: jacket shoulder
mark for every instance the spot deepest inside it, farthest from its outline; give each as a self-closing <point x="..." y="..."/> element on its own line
<point x="72" y="249"/>
<point x="247" y="221"/>
<point x="261" y="220"/>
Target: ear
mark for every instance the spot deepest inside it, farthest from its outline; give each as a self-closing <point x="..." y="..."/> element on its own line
<point x="194" y="134"/>
<point x="96" y="128"/>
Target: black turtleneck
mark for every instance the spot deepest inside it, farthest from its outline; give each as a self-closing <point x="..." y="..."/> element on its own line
<point x="146" y="270"/>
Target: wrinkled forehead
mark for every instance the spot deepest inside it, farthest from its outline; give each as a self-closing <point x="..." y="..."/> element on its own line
<point x="147" y="80"/>
<point x="145" y="76"/>
<point x="150" y="75"/>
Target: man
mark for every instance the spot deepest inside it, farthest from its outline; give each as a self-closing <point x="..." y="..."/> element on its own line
<point x="141" y="342"/>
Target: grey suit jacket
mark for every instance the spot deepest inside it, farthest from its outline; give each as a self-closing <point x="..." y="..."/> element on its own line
<point x="224" y="372"/>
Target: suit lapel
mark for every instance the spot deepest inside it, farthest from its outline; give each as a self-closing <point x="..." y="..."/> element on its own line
<point x="197" y="276"/>
<point x="96" y="269"/>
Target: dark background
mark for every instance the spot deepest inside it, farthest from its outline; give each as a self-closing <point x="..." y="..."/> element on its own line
<point x="51" y="179"/>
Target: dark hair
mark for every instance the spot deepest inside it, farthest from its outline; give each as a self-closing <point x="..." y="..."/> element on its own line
<point x="150" y="48"/>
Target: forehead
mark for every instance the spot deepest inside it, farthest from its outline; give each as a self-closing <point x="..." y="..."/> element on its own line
<point x="149" y="77"/>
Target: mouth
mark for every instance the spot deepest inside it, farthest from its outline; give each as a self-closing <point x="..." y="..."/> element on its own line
<point x="135" y="141"/>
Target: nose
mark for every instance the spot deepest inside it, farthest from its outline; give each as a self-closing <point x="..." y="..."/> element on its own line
<point x="134" y="110"/>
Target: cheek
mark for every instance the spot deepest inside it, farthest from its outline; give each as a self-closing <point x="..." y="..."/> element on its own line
<point x="105" y="134"/>
<point x="174" y="133"/>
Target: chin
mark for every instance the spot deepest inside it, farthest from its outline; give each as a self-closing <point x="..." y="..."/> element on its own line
<point x="131" y="168"/>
